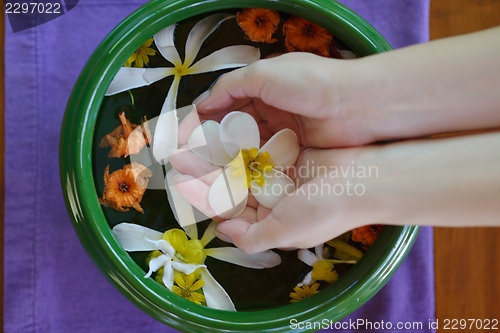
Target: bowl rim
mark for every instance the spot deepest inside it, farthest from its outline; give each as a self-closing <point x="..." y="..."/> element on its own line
<point x="77" y="179"/>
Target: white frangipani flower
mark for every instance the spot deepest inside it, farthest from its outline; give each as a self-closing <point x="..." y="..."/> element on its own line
<point x="235" y="144"/>
<point x="186" y="256"/>
<point x="165" y="137"/>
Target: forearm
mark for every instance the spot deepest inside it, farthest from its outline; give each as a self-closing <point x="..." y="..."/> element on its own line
<point x="439" y="182"/>
<point x="442" y="86"/>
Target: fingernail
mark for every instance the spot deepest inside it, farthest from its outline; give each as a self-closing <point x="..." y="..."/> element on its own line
<point x="201" y="97"/>
<point x="222" y="237"/>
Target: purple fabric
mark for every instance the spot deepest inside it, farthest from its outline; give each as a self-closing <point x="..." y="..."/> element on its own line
<point x="51" y="285"/>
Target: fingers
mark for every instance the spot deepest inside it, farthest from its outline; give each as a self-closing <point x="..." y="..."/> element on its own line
<point x="272" y="81"/>
<point x="188" y="163"/>
<point x="303" y="219"/>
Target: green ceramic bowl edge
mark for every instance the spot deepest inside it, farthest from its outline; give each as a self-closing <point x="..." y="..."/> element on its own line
<point x="92" y="228"/>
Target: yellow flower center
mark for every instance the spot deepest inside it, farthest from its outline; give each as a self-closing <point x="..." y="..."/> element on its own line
<point x="252" y="165"/>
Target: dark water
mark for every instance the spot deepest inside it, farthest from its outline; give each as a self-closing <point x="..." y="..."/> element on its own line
<point x="250" y="289"/>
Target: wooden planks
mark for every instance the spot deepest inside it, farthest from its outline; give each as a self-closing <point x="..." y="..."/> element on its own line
<point x="467" y="260"/>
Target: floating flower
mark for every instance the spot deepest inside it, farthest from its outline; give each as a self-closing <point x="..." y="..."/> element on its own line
<point x="178" y="253"/>
<point x="140" y="57"/>
<point x="305" y="36"/>
<point x="234" y="144"/>
<point x="189" y="287"/>
<point x="366" y="235"/>
<point x="259" y="24"/>
<point x="304" y="291"/>
<point x="166" y="132"/>
<point x="322" y="268"/>
<point x="125" y="187"/>
<point x="126" y="139"/>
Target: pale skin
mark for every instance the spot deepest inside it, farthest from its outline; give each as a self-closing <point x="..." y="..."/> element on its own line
<point x="339" y="109"/>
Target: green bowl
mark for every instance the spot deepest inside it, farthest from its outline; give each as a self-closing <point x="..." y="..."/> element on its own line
<point x="335" y="302"/>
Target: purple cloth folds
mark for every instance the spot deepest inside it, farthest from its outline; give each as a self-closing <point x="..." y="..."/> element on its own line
<point x="51" y="285"/>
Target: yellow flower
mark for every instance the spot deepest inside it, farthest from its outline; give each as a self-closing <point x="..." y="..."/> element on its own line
<point x="303" y="292"/>
<point x="191" y="251"/>
<point x="140" y="57"/>
<point x="324" y="270"/>
<point x="188" y="287"/>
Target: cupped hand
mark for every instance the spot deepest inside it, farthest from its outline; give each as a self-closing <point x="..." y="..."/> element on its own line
<point x="314" y="96"/>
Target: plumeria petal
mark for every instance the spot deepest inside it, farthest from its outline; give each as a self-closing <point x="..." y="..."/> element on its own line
<point x="156" y="263"/>
<point x="277" y="186"/>
<point x="167" y="126"/>
<point x="307" y="257"/>
<point x="283" y="148"/>
<point x="134" y="237"/>
<point x="200" y="32"/>
<point x="127" y="78"/>
<point x="182" y="209"/>
<point x="308" y="280"/>
<point x="241" y="129"/>
<point x="168" y="275"/>
<point x="209" y="234"/>
<point x="228" y="195"/>
<point x="318" y="251"/>
<point x="164" y="40"/>
<point x="229" y="57"/>
<point x="215" y="295"/>
<point x="235" y="256"/>
<point x="205" y="142"/>
<point x="346" y="54"/>
<point x="152" y="75"/>
<point x="164" y="246"/>
<point x="185" y="268"/>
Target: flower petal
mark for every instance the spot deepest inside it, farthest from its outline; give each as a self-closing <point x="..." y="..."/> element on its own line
<point x="307" y="257"/>
<point x="134" y="237"/>
<point x="307" y="281"/>
<point x="283" y="148"/>
<point x="127" y="78"/>
<point x="168" y="275"/>
<point x="156" y="263"/>
<point x="185" y="268"/>
<point x="241" y="129"/>
<point x="208" y="235"/>
<point x="200" y="32"/>
<point x="152" y="75"/>
<point x="164" y="40"/>
<point x="346" y="54"/>
<point x="182" y="209"/>
<point x="164" y="246"/>
<point x="233" y="255"/>
<point x="205" y="142"/>
<point x="215" y="295"/>
<point x="166" y="134"/>
<point x="228" y="57"/>
<point x="277" y="186"/>
<point x="228" y="195"/>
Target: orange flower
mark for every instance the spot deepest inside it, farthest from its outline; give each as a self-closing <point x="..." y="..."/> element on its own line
<point x="125" y="187"/>
<point x="125" y="139"/>
<point x="366" y="235"/>
<point x="259" y="24"/>
<point x="302" y="35"/>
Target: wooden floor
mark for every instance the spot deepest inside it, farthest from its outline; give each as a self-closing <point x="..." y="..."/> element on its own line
<point x="467" y="260"/>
